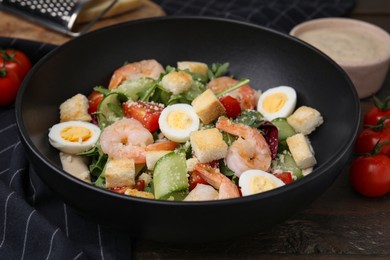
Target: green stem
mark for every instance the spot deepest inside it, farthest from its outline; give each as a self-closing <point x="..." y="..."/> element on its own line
<point x="241" y="83"/>
<point x="3" y="71"/>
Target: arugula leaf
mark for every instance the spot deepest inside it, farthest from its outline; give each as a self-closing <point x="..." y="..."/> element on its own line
<point x="100" y="181"/>
<point x="101" y="89"/>
<point x="251" y="118"/>
<point x="98" y="160"/>
<point x="134" y="89"/>
<point x="225" y="169"/>
<point x="217" y="70"/>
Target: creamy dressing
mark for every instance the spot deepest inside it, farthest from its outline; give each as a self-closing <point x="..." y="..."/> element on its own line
<point x="345" y="44"/>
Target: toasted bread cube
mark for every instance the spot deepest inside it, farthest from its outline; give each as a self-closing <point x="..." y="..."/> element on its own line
<point x="177" y="82"/>
<point x="208" y="145"/>
<point x="146" y="177"/>
<point x="208" y="107"/>
<point x="153" y="156"/>
<point x="301" y="150"/>
<point x="190" y="163"/>
<point x="75" y="108"/>
<point x="76" y="165"/>
<point x="119" y="173"/>
<point x="137" y="193"/>
<point x="305" y="120"/>
<point x="193" y="66"/>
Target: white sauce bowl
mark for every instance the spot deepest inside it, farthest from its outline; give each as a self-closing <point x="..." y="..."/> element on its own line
<point x="360" y="48"/>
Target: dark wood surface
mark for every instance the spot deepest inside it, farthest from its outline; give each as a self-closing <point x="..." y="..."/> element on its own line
<point x="339" y="225"/>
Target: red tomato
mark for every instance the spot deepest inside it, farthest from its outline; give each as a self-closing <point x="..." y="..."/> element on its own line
<point x="286" y="177"/>
<point x="9" y="86"/>
<point x="195" y="179"/>
<point x="94" y="100"/>
<point x="147" y="113"/>
<point x="380" y="110"/>
<point x="369" y="137"/>
<point x="139" y="185"/>
<point x="16" y="61"/>
<point x="370" y="175"/>
<point x="231" y="105"/>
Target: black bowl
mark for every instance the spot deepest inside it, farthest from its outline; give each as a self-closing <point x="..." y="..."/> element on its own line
<point x="266" y="57"/>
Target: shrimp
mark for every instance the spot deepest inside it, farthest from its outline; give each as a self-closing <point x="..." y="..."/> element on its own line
<point x="133" y="71"/>
<point x="126" y="138"/>
<point x="227" y="189"/>
<point x="249" y="151"/>
<point x="245" y="95"/>
<point x="165" y="145"/>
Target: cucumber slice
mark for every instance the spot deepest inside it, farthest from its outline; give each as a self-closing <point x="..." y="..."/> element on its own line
<point x="135" y="89"/>
<point x="110" y="109"/>
<point x="285" y="162"/>
<point x="170" y="176"/>
<point x="284" y="128"/>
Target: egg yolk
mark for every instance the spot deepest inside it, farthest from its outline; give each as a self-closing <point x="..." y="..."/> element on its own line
<point x="261" y="184"/>
<point x="179" y="120"/>
<point x="76" y="134"/>
<point x="273" y="103"/>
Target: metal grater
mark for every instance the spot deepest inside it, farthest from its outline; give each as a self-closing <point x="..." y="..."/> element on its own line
<point x="59" y="15"/>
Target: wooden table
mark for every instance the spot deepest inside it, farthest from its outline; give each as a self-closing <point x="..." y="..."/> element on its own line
<point x="339" y="225"/>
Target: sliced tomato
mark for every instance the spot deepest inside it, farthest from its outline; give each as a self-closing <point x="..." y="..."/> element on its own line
<point x="147" y="113"/>
<point x="196" y="179"/>
<point x="231" y="105"/>
<point x="286" y="177"/>
<point x="120" y="190"/>
<point x="94" y="100"/>
<point x="139" y="185"/>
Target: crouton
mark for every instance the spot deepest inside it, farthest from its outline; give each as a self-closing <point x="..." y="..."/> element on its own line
<point x="208" y="145"/>
<point x="193" y="66"/>
<point x="137" y="193"/>
<point x="76" y="165"/>
<point x="305" y="120"/>
<point x="146" y="177"/>
<point x="301" y="150"/>
<point x="119" y="173"/>
<point x="208" y="107"/>
<point x="190" y="163"/>
<point x="75" y="109"/>
<point x="177" y="82"/>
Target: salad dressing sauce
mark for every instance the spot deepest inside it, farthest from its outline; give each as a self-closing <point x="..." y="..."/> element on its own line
<point x="345" y="44"/>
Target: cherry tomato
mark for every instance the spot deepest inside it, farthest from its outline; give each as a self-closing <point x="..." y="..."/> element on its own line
<point x="139" y="185"/>
<point x="147" y="113"/>
<point x="16" y="61"/>
<point x="380" y="110"/>
<point x="369" y="137"/>
<point x="195" y="179"/>
<point x="286" y="177"/>
<point x="370" y="175"/>
<point x="9" y="86"/>
<point x="231" y="105"/>
<point x="94" y="100"/>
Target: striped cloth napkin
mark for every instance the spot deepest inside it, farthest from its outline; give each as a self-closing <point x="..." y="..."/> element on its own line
<point x="280" y="15"/>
